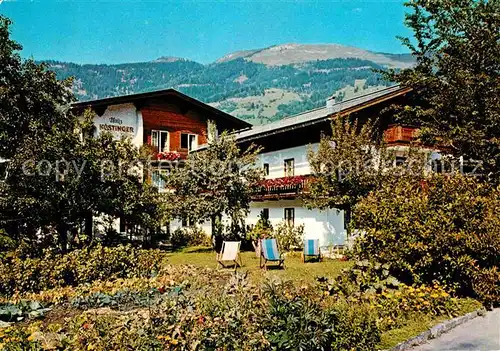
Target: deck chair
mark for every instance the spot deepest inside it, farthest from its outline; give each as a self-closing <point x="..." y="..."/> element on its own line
<point x="270" y="253"/>
<point x="230" y="254"/>
<point x="311" y="249"/>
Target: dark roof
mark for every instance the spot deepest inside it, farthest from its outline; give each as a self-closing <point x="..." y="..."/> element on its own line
<point x="321" y="114"/>
<point x="141" y="97"/>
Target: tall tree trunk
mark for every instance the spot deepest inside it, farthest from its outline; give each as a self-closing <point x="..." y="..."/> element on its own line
<point x="217" y="232"/>
<point x="62" y="231"/>
<point x="89" y="226"/>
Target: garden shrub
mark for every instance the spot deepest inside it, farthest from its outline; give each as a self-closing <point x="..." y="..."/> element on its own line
<point x="261" y="230"/>
<point x="191" y="236"/>
<point x="76" y="267"/>
<point x="364" y="277"/>
<point x="234" y="315"/>
<point x="441" y="228"/>
<point x="289" y="237"/>
<point x="297" y="322"/>
<point x="370" y="283"/>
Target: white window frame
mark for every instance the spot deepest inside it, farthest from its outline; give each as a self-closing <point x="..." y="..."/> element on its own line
<point x="190" y="146"/>
<point x="158" y="139"/>
<point x="289" y="172"/>
<point x="265" y="169"/>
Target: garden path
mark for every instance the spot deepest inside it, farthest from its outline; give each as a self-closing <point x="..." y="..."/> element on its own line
<point x="481" y="333"/>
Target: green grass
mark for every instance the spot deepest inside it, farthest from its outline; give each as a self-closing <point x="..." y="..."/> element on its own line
<point x="421" y="323"/>
<point x="295" y="269"/>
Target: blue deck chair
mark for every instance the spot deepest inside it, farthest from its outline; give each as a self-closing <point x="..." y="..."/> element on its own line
<point x="270" y="253"/>
<point x="311" y="249"/>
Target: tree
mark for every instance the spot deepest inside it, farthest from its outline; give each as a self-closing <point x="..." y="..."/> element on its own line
<point x="353" y="162"/>
<point x="213" y="183"/>
<point x="59" y="173"/>
<point x="346" y="166"/>
<point x="456" y="79"/>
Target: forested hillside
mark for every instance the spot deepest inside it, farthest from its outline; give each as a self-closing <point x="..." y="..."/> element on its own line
<point x="247" y="89"/>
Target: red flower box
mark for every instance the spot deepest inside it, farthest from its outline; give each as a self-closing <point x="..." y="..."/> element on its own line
<point x="168" y="156"/>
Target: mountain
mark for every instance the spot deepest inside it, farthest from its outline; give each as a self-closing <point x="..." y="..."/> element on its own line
<point x="286" y="54"/>
<point x="258" y="85"/>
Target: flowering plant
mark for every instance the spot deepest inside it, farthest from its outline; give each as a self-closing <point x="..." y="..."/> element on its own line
<point x="169" y="156"/>
<point x="284" y="181"/>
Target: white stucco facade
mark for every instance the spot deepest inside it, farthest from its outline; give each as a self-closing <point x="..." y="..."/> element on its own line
<point x="123" y="120"/>
<point x="327" y="226"/>
<point x="276" y="160"/>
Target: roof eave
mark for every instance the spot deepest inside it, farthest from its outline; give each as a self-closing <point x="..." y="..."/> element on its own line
<point x="156" y="94"/>
<point x="328" y="116"/>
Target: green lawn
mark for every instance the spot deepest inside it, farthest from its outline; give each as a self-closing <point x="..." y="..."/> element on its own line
<point x="295" y="269"/>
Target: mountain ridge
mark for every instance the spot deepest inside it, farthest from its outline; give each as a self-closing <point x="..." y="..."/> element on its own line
<point x="293" y="53"/>
<point x="259" y="85"/>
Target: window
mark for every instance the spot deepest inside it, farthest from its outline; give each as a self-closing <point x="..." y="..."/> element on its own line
<point x="187" y="222"/>
<point x="289" y="167"/>
<point x="123" y="225"/>
<point x="265" y="213"/>
<point x="3" y="169"/>
<point x="289" y="216"/>
<point x="157" y="178"/>
<point x="266" y="169"/>
<point x="188" y="141"/>
<point x="159" y="139"/>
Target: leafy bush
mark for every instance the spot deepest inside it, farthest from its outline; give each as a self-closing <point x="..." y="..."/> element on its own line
<point x="297" y="322"/>
<point x="6" y="244"/>
<point x="234" y="315"/>
<point x="364" y="277"/>
<point x="443" y="228"/>
<point x="289" y="237"/>
<point x="394" y="303"/>
<point x="76" y="267"/>
<point x="262" y="229"/>
<point x="192" y="236"/>
<point x="10" y="312"/>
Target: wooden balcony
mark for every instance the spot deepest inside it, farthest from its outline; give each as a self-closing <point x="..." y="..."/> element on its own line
<point x="280" y="188"/>
<point x="400" y="134"/>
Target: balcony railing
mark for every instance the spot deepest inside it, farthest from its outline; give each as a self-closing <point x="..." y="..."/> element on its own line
<point x="396" y="133"/>
<point x="284" y="187"/>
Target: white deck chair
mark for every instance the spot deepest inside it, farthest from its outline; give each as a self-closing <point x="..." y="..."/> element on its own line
<point x="230" y="253"/>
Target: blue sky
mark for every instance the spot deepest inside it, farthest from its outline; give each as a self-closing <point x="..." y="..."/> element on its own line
<point x="90" y="31"/>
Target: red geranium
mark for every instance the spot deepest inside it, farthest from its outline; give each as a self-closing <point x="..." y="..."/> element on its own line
<point x="168" y="156"/>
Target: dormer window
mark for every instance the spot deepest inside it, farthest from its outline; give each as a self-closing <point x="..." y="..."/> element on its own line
<point x="188" y="141"/>
<point x="159" y="140"/>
